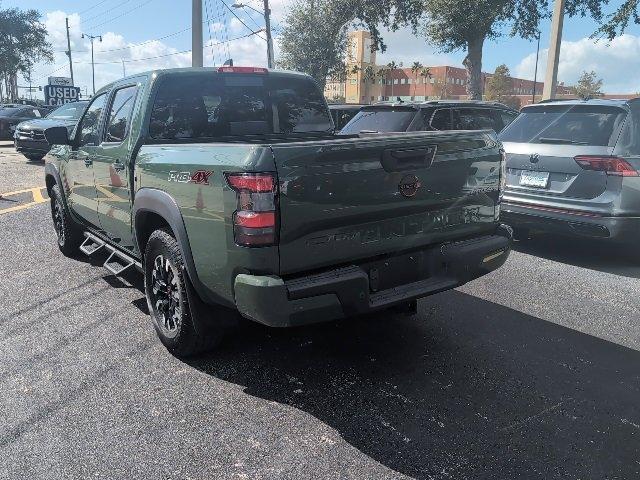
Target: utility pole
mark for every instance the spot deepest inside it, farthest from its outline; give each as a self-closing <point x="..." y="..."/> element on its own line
<point x="535" y="75"/>
<point x="197" y="47"/>
<point x="551" y="81"/>
<point x="124" y="70"/>
<point x="267" y="26"/>
<point x="93" y="67"/>
<point x="69" y="51"/>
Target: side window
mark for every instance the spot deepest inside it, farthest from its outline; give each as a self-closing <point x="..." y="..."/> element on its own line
<point x="89" y="126"/>
<point x="441" y="119"/>
<point x="26" y="112"/>
<point x="475" y="119"/>
<point x="36" y="113"/>
<point x="120" y="114"/>
<point x="507" y="117"/>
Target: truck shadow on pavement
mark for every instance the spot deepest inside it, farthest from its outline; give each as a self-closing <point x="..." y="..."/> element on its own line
<point x="466" y="389"/>
<point x="592" y="254"/>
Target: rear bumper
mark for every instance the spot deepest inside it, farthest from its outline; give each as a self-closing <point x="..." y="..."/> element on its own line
<point x="569" y="222"/>
<point x="347" y="291"/>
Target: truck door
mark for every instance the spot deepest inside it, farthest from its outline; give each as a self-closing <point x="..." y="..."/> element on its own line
<point x="112" y="168"/>
<point x="78" y="173"/>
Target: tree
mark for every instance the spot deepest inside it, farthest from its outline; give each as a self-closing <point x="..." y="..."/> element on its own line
<point x="415" y="69"/>
<point x="425" y="73"/>
<point x="588" y="86"/>
<point x="453" y="25"/>
<point x="382" y="73"/>
<point x="392" y="67"/>
<point x="314" y="39"/>
<point x="23" y="42"/>
<point x="500" y="88"/>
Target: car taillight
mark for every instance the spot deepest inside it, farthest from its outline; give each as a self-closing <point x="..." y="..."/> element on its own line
<point x="254" y="221"/>
<point x="610" y="165"/>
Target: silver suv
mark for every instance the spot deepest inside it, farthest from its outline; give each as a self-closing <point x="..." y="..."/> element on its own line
<point x="572" y="168"/>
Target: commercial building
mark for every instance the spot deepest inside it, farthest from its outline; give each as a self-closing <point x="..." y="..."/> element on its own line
<point x="367" y="82"/>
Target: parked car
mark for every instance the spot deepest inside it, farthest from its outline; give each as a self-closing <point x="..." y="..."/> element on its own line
<point x="572" y="168"/>
<point x="12" y="116"/>
<point x="29" y="136"/>
<point x="342" y="113"/>
<point x="228" y="187"/>
<point x="430" y="116"/>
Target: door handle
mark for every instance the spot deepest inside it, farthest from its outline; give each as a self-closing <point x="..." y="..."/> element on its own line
<point x="118" y="166"/>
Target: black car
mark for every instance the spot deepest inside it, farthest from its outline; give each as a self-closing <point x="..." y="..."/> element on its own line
<point x="12" y="116"/>
<point x="29" y="135"/>
<point x="431" y="115"/>
<point x="342" y="113"/>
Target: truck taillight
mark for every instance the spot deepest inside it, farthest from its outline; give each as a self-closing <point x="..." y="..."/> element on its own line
<point x="255" y="219"/>
<point x="610" y="165"/>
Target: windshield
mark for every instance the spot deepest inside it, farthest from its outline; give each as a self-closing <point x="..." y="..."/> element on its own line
<point x="69" y="111"/>
<point x="595" y="125"/>
<point x="380" y="120"/>
<point x="205" y="106"/>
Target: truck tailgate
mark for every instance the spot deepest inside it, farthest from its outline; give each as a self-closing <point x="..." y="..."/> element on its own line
<point x="350" y="199"/>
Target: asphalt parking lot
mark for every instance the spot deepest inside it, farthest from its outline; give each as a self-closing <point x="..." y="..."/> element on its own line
<point x="532" y="372"/>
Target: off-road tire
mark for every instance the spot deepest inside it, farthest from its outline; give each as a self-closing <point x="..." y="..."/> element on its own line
<point x="68" y="232"/>
<point x="165" y="295"/>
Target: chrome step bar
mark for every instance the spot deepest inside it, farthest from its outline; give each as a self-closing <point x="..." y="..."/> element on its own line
<point x="117" y="263"/>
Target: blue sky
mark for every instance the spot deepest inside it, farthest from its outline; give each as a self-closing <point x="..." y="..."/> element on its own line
<point x="126" y="23"/>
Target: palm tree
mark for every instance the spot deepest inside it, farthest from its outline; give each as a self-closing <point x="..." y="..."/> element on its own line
<point x="392" y="66"/>
<point x="382" y="73"/>
<point x="369" y="74"/>
<point x="415" y="68"/>
<point x="425" y="73"/>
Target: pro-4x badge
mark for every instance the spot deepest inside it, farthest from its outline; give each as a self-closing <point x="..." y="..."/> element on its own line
<point x="200" y="177"/>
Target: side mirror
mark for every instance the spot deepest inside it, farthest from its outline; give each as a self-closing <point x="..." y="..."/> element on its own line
<point x="57" y="136"/>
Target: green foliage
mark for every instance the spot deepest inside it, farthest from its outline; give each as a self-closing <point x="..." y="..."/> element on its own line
<point x="588" y="86"/>
<point x="499" y="88"/>
<point x="314" y="39"/>
<point x="23" y="42"/>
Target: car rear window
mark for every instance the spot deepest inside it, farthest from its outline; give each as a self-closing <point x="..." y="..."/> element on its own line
<point x="214" y="105"/>
<point x="380" y="120"/>
<point x="566" y="124"/>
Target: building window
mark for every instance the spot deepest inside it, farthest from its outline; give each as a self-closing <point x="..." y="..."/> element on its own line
<point x="353" y="81"/>
<point x="395" y="81"/>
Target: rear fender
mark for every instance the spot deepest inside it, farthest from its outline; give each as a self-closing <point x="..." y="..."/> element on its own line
<point x="151" y="200"/>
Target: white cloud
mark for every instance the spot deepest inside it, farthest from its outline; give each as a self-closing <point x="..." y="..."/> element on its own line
<point x="616" y="62"/>
<point x="403" y="46"/>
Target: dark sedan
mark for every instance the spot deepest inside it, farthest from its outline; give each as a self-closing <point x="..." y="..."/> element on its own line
<point x="29" y="135"/>
<point x="12" y="116"/>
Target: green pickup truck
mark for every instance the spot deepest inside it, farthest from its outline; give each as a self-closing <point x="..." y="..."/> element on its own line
<point x="230" y="191"/>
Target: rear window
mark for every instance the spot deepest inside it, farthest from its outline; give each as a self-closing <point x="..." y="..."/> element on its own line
<point x="596" y="125"/>
<point x="213" y="105"/>
<point x="380" y="120"/>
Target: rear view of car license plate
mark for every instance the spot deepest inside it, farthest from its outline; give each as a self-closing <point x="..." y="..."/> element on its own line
<point x="534" y="179"/>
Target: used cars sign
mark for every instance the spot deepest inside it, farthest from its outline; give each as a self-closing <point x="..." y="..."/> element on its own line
<point x="60" y="91"/>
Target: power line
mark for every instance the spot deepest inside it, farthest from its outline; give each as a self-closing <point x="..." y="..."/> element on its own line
<point x="239" y="19"/>
<point x="121" y="15"/>
<point x="92" y="7"/>
<point x="106" y="11"/>
<point x="213" y="55"/>
<point x="167" y="54"/>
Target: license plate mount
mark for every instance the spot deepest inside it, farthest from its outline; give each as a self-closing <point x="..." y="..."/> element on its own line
<point x="529" y="178"/>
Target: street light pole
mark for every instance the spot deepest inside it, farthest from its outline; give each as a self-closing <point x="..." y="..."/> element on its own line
<point x="93" y="67"/>
<point x="197" y="48"/>
<point x="551" y="81"/>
